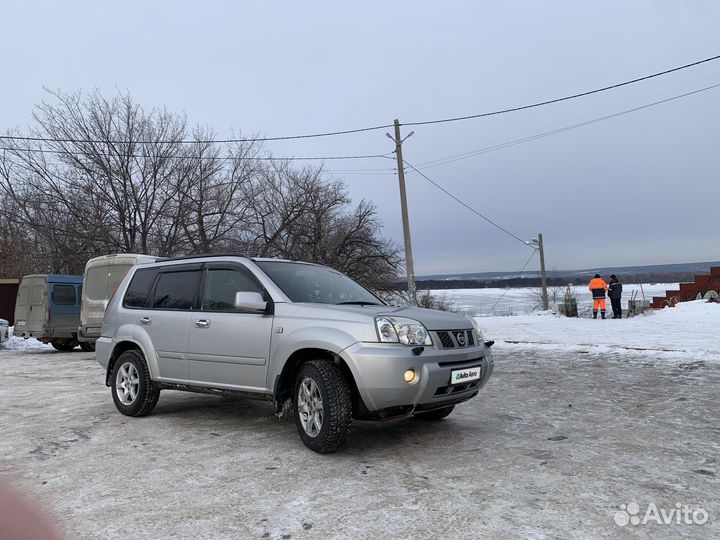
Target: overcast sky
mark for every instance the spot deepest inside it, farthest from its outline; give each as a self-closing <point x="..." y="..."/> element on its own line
<point x="638" y="189"/>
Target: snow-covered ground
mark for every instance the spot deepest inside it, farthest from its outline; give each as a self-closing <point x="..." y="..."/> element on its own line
<point x="520" y="301"/>
<point x="580" y="417"/>
<point x="16" y="343"/>
<point x="689" y="331"/>
<point x="551" y="448"/>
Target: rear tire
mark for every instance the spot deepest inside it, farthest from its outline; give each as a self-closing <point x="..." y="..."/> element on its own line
<point x="322" y="405"/>
<point x="133" y="391"/>
<point x="64" y="345"/>
<point x="436" y="414"/>
<point x="87" y="346"/>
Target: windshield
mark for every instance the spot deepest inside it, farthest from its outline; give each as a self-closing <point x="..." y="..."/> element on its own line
<point x="317" y="284"/>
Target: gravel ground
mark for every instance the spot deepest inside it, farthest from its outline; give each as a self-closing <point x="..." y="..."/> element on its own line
<point x="553" y="446"/>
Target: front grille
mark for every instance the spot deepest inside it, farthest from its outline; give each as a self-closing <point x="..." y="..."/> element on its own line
<point x="455" y="339"/>
<point x="446" y="340"/>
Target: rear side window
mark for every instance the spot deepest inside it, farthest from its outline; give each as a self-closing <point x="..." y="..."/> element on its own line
<point x="176" y="290"/>
<point x="139" y="288"/>
<point x="64" y="295"/>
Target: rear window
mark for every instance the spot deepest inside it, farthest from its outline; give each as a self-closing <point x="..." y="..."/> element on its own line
<point x="101" y="281"/>
<point x="36" y="295"/>
<point x="23" y="295"/>
<point x="116" y="274"/>
<point x="63" y="295"/>
<point x="139" y="288"/>
<point x="176" y="290"/>
<point x="96" y="281"/>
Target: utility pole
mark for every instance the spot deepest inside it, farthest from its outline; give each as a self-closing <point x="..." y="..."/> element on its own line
<point x="542" y="272"/>
<point x="403" y="205"/>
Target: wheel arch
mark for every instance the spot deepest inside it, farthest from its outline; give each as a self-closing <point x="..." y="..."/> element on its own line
<point x="118" y="349"/>
<point x="284" y="382"/>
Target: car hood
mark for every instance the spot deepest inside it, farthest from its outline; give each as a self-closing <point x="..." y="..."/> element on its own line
<point x="431" y="318"/>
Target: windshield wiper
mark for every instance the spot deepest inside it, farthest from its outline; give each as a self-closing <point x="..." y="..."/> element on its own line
<point x="358" y="303"/>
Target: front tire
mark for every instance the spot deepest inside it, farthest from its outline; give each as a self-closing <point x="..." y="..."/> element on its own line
<point x="133" y="391"/>
<point x="87" y="346"/>
<point x="322" y="406"/>
<point x="435" y="414"/>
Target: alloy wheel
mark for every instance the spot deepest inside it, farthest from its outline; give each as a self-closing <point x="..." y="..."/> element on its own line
<point x="310" y="407"/>
<point x="127" y="383"/>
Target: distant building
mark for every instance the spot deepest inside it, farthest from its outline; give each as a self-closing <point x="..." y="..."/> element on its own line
<point x="8" y="295"/>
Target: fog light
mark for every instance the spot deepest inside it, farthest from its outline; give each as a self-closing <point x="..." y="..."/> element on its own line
<point x="409" y="375"/>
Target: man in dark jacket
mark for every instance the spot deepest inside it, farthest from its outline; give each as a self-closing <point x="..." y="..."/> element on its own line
<point x="615" y="293"/>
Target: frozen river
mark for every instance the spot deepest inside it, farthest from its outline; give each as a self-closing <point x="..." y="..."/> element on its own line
<point x="519" y="301"/>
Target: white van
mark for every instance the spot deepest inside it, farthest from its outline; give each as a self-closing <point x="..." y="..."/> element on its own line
<point x="101" y="277"/>
<point x="48" y="309"/>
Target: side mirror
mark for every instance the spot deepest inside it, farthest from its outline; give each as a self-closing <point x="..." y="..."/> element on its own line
<point x="250" y="302"/>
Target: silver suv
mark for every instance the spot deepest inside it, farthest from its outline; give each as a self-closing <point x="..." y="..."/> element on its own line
<point x="296" y="333"/>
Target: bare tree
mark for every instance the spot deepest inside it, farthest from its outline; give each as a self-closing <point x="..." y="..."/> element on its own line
<point x="555" y="294"/>
<point x="110" y="169"/>
<point x="300" y="216"/>
<point x="101" y="175"/>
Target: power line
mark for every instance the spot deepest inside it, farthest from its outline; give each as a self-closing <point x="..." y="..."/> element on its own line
<point x="518" y="275"/>
<point x="370" y="128"/>
<point x="361" y="172"/>
<point x="565" y="98"/>
<point x="464" y="204"/>
<point x="507" y="144"/>
<point x="209" y="158"/>
<point x="213" y="141"/>
<point x="422" y="166"/>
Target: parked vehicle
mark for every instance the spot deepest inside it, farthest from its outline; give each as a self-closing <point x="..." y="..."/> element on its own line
<point x="48" y="309"/>
<point x="101" y="277"/>
<point x="297" y="333"/>
<point x="4" y="330"/>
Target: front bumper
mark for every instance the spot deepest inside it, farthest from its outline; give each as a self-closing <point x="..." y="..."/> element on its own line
<point x="379" y="368"/>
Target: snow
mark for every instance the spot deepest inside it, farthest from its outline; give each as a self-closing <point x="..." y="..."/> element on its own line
<point x="521" y="300"/>
<point x="688" y="331"/>
<point x="579" y="417"/>
<point x="16" y="343"/>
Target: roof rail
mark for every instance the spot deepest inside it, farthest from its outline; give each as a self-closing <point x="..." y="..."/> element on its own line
<point x="198" y="255"/>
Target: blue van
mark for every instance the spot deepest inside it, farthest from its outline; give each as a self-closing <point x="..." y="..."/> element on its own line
<point x="48" y="309"/>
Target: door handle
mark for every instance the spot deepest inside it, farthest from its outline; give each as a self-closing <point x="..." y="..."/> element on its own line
<point x="202" y="323"/>
<point x="145" y="320"/>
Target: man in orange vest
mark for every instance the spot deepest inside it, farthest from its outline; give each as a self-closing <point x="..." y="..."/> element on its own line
<point x="598" y="287"/>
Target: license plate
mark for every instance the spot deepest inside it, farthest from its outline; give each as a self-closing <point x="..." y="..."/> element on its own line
<point x="460" y="376"/>
<point x="20" y="323"/>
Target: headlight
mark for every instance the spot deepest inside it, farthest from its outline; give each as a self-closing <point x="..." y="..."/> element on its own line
<point x="478" y="331"/>
<point x="402" y="330"/>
